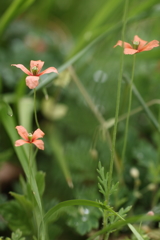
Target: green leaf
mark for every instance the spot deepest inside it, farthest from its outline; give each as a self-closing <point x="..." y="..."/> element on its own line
<point x="40" y="179"/>
<point x="137" y="235"/>
<point x="17" y="235"/>
<point x="14" y="9"/>
<point x="16" y="217"/>
<point x="25" y="203"/>
<point x="80" y="202"/>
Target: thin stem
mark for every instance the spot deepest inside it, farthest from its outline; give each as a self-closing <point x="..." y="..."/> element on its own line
<point x="30" y="162"/>
<point x="35" y="110"/>
<point x="118" y="102"/>
<point x="129" y="110"/>
<point x="96" y="112"/>
<point x="144" y="105"/>
<point x="159" y="135"/>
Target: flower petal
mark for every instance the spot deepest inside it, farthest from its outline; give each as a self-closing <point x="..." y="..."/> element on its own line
<point x="39" y="64"/>
<point x="48" y="70"/>
<point x="121" y="43"/>
<point x="23" y="68"/>
<point x="150" y="45"/>
<point x="22" y="132"/>
<point x="130" y="51"/>
<point x="32" y="81"/>
<point x="20" y="142"/>
<point x="39" y="144"/>
<point x="141" y="42"/>
<point x="37" y="134"/>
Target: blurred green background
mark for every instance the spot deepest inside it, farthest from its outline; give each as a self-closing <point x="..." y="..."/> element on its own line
<point x="77" y="37"/>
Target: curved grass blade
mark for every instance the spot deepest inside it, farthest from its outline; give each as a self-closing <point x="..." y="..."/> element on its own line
<point x="9" y="125"/>
<point x="137" y="235"/>
<point x="110" y="122"/>
<point x="50" y="214"/>
<point x="57" y="150"/>
<point x="120" y="224"/>
<point x="142" y="102"/>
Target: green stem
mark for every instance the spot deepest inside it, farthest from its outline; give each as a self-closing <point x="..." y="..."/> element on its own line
<point x="117" y="103"/>
<point x="159" y="136"/>
<point x="30" y="163"/>
<point x="129" y="110"/>
<point x="96" y="112"/>
<point x="105" y="220"/>
<point x="35" y="110"/>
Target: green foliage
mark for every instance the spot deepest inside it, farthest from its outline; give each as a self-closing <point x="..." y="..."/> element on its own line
<point x="83" y="219"/>
<point x="64" y="35"/>
<point x="17" y="235"/>
<point x="103" y="182"/>
<point x="16" y="217"/>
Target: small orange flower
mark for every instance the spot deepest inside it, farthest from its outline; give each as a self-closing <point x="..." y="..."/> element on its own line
<point x="32" y="80"/>
<point x="138" y="45"/>
<point x="30" y="138"/>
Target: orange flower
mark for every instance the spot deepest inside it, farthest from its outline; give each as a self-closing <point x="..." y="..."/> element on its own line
<point x="32" y="80"/>
<point x="30" y="138"/>
<point x="138" y="45"/>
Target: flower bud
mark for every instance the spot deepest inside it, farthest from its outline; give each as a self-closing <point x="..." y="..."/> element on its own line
<point x="135" y="44"/>
<point x="34" y="70"/>
<point x="134" y="172"/>
<point x="30" y="137"/>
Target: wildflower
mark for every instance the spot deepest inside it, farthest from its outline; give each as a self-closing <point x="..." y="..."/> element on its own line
<point x="30" y="138"/>
<point x="32" y="80"/>
<point x="150" y="213"/>
<point x="137" y="46"/>
<point x="134" y="172"/>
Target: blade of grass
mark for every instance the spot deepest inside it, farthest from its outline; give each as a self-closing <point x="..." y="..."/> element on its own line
<point x="9" y="14"/>
<point x="104" y="13"/>
<point x="136" y="234"/>
<point x="15" y="8"/>
<point x="142" y="6"/>
<point x="57" y="150"/>
<point x="142" y="102"/>
<point x="120" y="224"/>
<point x="110" y="123"/>
<point x="78" y="202"/>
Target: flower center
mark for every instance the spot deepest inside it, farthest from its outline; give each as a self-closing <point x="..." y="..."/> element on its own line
<point x="135" y="44"/>
<point x="30" y="137"/>
<point x="34" y="70"/>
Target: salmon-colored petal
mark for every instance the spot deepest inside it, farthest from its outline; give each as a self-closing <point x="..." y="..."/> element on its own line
<point x="39" y="144"/>
<point x="20" y="142"/>
<point x="120" y="43"/>
<point x="22" y="132"/>
<point x="37" y="134"/>
<point x="150" y="45"/>
<point x="48" y="70"/>
<point x="130" y="51"/>
<point x="39" y="64"/>
<point x="32" y="81"/>
<point x="141" y="42"/>
<point x="23" y="68"/>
